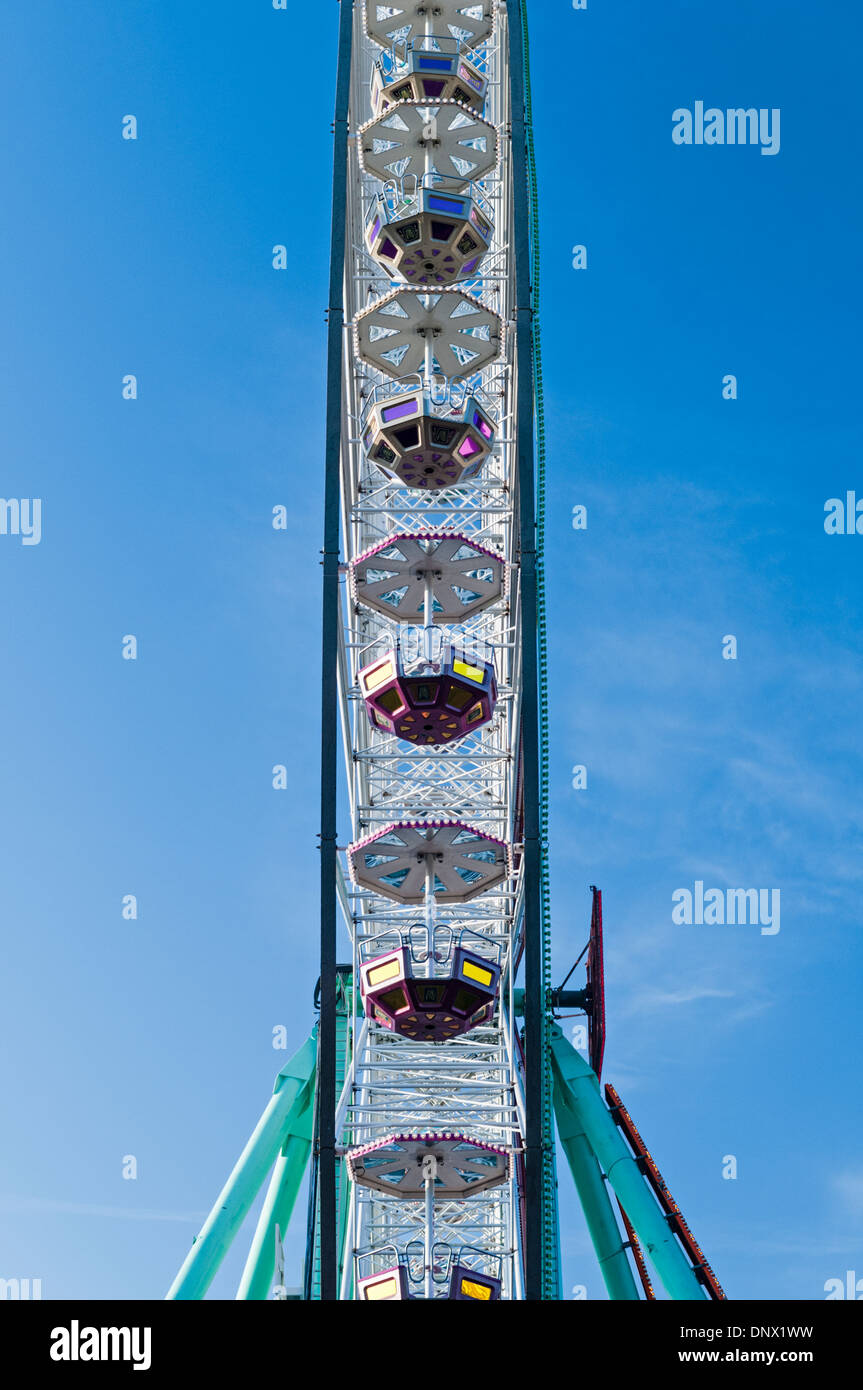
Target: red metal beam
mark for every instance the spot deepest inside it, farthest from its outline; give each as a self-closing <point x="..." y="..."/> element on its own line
<point x="638" y="1257"/>
<point x="596" y="984"/>
<point x="672" y="1211"/>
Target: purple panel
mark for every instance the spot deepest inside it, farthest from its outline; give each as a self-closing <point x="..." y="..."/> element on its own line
<point x="386" y="248"/>
<point x="482" y="425"/>
<point x="432" y="87"/>
<point x="398" y="412"/>
<point x="468" y="448"/>
<point x="471" y="265"/>
<point x="475" y="82"/>
<point x="434" y="1009"/>
<point x="480" y="223"/>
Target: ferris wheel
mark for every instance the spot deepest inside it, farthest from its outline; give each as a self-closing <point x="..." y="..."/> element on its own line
<point x="423" y="1103"/>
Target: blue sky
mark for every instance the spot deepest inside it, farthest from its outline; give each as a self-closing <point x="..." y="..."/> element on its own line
<point x="705" y="517"/>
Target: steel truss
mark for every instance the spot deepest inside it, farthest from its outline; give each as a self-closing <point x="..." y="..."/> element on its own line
<point x="433" y="1161"/>
<point x="472" y="1084"/>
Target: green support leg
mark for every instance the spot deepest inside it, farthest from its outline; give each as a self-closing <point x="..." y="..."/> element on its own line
<point x="290" y="1097"/>
<point x="598" y="1211"/>
<point x="343" y="1207"/>
<point x="285" y="1184"/>
<point x="578" y="1088"/>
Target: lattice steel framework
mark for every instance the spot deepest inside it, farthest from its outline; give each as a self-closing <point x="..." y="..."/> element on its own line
<point x="473" y="1084"/>
<point x="426" y="1111"/>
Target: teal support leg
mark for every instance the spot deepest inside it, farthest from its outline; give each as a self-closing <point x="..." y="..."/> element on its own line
<point x="290" y="1097"/>
<point x="344" y="1248"/>
<point x="578" y="1086"/>
<point x="598" y="1211"/>
<point x="282" y="1193"/>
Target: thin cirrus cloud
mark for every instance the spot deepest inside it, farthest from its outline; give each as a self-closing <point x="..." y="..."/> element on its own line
<point x="848" y="1186"/>
<point x="652" y="999"/>
<point x="11" y="1203"/>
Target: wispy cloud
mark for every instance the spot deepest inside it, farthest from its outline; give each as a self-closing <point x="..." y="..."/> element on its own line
<point x="814" y="1250"/>
<point x="10" y="1203"/>
<point x="650" y="999"/>
<point x="848" y="1186"/>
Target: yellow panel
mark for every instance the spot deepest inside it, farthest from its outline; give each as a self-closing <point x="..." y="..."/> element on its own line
<point x="475" y="972"/>
<point x="472" y="1290"/>
<point x="395" y="999"/>
<point x="473" y="673"/>
<point x="385" y="1288"/>
<point x="391" y="701"/>
<point x="457" y="697"/>
<point x="378" y="675"/>
<point x="390" y="970"/>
